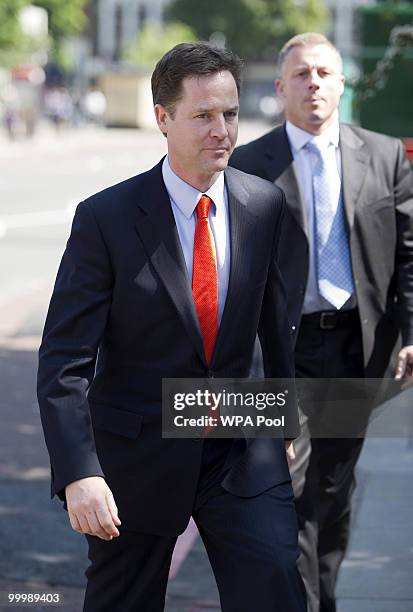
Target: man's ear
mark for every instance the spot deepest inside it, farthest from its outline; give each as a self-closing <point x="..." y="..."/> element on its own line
<point x="161" y="115"/>
<point x="343" y="83"/>
<point x="279" y="87"/>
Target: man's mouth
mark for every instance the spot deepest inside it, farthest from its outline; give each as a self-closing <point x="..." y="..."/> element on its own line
<point x="217" y="149"/>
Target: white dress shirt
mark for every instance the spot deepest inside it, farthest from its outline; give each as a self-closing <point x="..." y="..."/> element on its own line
<point x="304" y="163"/>
<point x="184" y="199"/>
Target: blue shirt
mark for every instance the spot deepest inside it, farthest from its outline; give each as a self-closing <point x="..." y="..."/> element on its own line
<point x="184" y="199"/>
<point x="304" y="163"/>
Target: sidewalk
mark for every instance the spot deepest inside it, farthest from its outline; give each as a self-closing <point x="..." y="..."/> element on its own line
<point x="377" y="574"/>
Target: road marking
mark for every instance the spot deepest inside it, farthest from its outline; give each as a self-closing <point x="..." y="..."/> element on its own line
<point x="40" y="218"/>
<point x="33" y="473"/>
<point x="16" y="310"/>
<point x="22" y="343"/>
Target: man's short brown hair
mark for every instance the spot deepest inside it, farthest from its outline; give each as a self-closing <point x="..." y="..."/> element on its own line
<point x="308" y="39"/>
<point x="190" y="60"/>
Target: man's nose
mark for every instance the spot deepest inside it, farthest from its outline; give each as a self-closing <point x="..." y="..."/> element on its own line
<point x="314" y="80"/>
<point x="219" y="127"/>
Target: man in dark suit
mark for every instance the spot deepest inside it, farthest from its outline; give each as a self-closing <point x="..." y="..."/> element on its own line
<point x="171" y="274"/>
<point x="346" y="256"/>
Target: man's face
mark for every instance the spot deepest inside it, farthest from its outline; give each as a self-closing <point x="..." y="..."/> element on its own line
<point x="311" y="85"/>
<point x="203" y="131"/>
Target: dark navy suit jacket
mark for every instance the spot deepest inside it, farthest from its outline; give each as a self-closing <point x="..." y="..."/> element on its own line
<point x="122" y="318"/>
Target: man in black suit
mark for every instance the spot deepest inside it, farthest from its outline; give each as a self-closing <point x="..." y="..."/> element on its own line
<point x="124" y="315"/>
<point x="346" y="256"/>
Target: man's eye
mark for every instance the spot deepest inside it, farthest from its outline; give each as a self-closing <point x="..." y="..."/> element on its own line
<point x="231" y="114"/>
<point x="201" y="116"/>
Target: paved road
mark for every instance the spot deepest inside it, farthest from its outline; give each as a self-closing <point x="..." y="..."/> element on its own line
<point x="40" y="183"/>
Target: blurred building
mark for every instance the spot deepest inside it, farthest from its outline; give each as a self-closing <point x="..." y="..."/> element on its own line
<point x="114" y="24"/>
<point x="345" y="23"/>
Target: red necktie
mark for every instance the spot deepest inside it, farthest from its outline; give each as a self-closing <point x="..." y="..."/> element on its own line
<point x="205" y="284"/>
<point x="205" y="278"/>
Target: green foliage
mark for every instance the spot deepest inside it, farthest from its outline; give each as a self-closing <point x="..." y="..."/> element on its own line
<point x="66" y="17"/>
<point x="13" y="43"/>
<point x="253" y="28"/>
<point x="155" y="40"/>
<point x="10" y="34"/>
<point x="384" y="94"/>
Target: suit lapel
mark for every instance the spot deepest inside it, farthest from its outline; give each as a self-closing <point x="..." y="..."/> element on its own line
<point x="158" y="232"/>
<point x="354" y="160"/>
<point x="280" y="169"/>
<point x="289" y="184"/>
<point x="240" y="220"/>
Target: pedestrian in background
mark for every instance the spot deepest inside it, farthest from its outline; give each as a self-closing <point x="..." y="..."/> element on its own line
<point x="346" y="256"/>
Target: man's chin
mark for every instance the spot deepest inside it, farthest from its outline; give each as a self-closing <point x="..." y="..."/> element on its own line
<point x="219" y="163"/>
<point x="315" y="122"/>
<point x="317" y="116"/>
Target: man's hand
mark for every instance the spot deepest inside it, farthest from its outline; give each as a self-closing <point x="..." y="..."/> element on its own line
<point x="289" y="449"/>
<point x="92" y="508"/>
<point x="404" y="367"/>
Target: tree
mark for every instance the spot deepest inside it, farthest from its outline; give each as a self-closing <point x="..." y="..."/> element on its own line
<point x="10" y="34"/>
<point x="66" y="18"/>
<point x="252" y="28"/>
<point x="155" y="40"/>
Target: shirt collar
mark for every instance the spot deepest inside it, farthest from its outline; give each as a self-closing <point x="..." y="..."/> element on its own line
<point x="298" y="137"/>
<point x="187" y="197"/>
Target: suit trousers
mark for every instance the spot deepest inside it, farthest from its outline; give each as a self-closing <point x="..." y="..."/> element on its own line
<point x="251" y="544"/>
<point x="323" y="471"/>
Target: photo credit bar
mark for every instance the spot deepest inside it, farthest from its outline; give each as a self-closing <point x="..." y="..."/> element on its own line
<point x="251" y="408"/>
<point x="228" y="408"/>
